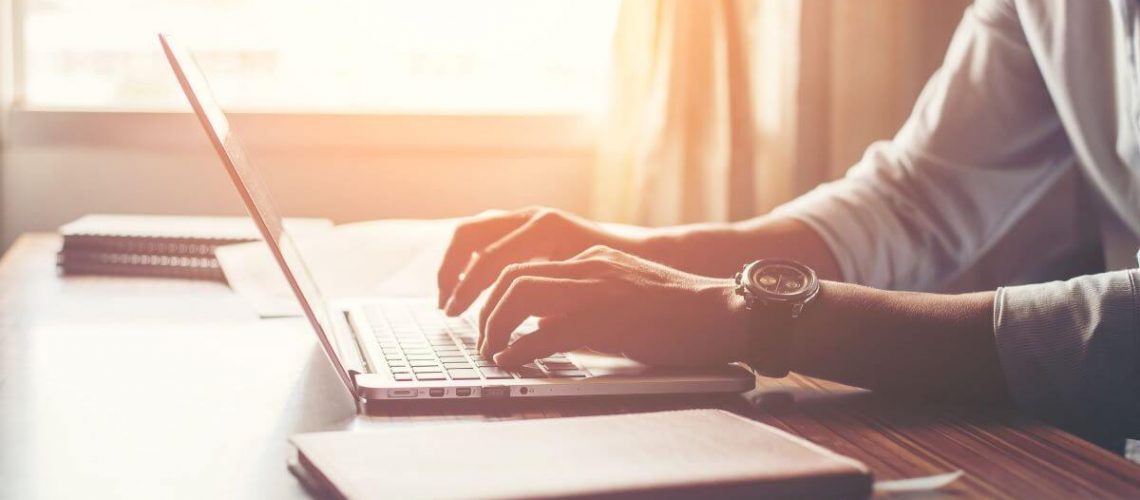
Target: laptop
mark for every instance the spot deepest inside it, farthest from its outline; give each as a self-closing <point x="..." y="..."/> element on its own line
<point x="407" y="349"/>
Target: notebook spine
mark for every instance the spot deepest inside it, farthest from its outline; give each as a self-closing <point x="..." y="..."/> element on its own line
<point x="131" y="264"/>
<point x="82" y="243"/>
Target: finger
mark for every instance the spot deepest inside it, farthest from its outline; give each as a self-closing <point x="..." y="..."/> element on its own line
<point x="519" y="245"/>
<point x="560" y="269"/>
<point x="470" y="236"/>
<point x="597" y="251"/>
<point x="532" y="296"/>
<point x="553" y="336"/>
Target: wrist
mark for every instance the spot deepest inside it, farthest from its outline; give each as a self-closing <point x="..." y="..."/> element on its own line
<point x="735" y="323"/>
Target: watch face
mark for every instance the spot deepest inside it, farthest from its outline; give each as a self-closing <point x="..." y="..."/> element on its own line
<point x="781" y="279"/>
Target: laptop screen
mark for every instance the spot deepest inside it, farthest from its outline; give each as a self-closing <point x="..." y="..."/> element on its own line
<point x="256" y="198"/>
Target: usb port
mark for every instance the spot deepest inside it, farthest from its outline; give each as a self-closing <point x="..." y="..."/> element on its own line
<point x="463" y="391"/>
<point x="496" y="391"/>
<point x="436" y="393"/>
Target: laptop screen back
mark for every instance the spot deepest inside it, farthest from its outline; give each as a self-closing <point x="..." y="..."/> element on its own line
<point x="256" y="198"/>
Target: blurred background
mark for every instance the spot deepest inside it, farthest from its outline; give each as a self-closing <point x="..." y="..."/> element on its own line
<point x="643" y="111"/>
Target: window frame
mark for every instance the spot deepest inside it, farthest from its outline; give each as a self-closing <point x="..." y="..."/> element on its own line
<point x="26" y="126"/>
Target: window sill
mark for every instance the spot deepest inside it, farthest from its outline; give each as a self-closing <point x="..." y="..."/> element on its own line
<point x="308" y="132"/>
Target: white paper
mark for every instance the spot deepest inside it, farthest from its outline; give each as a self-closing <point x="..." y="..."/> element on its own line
<point x="918" y="484"/>
<point x="393" y="258"/>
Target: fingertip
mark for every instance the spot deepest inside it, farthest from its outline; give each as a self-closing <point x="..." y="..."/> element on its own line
<point x="505" y="359"/>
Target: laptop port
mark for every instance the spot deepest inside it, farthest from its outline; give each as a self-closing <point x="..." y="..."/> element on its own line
<point x="463" y="391"/>
<point x="436" y="393"/>
<point x="401" y="393"/>
<point x="496" y="392"/>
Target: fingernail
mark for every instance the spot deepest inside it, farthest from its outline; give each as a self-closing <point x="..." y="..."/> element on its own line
<point x="449" y="308"/>
<point x="498" y="358"/>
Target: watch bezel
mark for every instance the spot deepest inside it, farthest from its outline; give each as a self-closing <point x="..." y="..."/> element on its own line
<point x="747" y="287"/>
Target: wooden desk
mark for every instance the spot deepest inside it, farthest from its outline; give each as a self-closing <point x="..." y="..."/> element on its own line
<point x="141" y="388"/>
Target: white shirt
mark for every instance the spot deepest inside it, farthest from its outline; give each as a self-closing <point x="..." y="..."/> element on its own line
<point x="1032" y="96"/>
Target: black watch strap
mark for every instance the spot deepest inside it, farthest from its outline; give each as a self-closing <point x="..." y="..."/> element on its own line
<point x="770" y="339"/>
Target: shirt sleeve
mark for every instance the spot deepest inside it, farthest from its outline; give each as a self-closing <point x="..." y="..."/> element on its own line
<point x="1070" y="351"/>
<point x="982" y="146"/>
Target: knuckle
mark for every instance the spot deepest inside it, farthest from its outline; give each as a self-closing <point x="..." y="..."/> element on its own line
<point x="512" y="270"/>
<point x="519" y="284"/>
<point x="547" y="217"/>
<point x="597" y="250"/>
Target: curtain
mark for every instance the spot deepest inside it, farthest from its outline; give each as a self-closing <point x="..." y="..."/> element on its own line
<point x="722" y="109"/>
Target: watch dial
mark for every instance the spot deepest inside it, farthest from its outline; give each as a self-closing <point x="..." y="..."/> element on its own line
<point x="780" y="280"/>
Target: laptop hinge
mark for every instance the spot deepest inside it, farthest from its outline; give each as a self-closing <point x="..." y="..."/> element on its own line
<point x="360" y="361"/>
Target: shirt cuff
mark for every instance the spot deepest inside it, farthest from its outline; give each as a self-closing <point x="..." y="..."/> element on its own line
<point x="1070" y="351"/>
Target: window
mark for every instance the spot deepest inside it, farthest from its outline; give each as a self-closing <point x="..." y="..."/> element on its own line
<point x="363" y="56"/>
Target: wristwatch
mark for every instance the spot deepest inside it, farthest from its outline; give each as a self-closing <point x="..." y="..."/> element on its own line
<point x="775" y="291"/>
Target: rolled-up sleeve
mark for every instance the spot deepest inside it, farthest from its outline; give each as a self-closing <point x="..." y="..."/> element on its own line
<point x="1071" y="352"/>
<point x="980" y="150"/>
<point x="982" y="147"/>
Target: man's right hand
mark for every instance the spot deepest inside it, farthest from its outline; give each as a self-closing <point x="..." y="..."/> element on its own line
<point x="484" y="245"/>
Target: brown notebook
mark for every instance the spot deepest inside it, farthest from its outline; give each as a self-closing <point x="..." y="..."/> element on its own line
<point x="677" y="453"/>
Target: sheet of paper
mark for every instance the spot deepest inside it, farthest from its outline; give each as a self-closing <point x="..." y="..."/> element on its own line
<point x="390" y="258"/>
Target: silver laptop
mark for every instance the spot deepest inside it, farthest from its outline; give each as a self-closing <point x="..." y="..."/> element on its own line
<point x="386" y="349"/>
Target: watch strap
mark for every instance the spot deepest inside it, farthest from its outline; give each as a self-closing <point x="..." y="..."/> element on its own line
<point x="770" y="344"/>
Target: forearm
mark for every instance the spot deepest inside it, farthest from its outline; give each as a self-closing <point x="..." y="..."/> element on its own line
<point x="914" y="343"/>
<point x="721" y="249"/>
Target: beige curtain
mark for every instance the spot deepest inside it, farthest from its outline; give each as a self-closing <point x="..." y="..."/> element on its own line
<point x="723" y="109"/>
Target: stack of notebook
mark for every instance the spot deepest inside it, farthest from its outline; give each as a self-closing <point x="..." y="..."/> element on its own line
<point x="160" y="246"/>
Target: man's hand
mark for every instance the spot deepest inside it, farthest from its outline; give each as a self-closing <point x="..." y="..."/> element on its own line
<point x="613" y="302"/>
<point x="482" y="246"/>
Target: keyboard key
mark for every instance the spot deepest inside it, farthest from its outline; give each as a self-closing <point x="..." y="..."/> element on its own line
<point x="482" y="363"/>
<point x="529" y="370"/>
<point x="457" y="365"/>
<point x="421" y="357"/>
<point x="427" y="369"/>
<point x="430" y="376"/>
<point x="402" y="377"/>
<point x="401" y="369"/>
<point x="464" y="374"/>
<point x="397" y="363"/>
<point x="567" y="373"/>
<point x="452" y="359"/>
<point x="494" y="372"/>
<point x="423" y="362"/>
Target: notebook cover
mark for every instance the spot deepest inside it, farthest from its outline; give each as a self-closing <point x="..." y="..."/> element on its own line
<point x="664" y="454"/>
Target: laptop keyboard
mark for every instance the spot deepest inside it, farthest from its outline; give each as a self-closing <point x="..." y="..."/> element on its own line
<point x="420" y="343"/>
